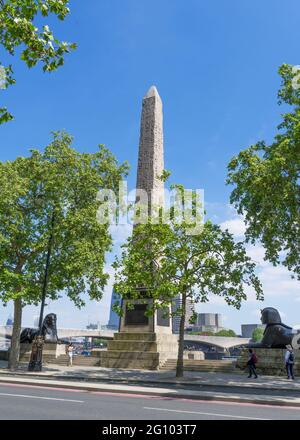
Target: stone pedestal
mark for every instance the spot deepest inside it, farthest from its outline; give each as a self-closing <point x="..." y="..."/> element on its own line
<point x="143" y="342"/>
<point x="137" y="350"/>
<point x="270" y="361"/>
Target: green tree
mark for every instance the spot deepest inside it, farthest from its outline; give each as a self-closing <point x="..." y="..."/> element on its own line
<point x="98" y="342"/>
<point x="226" y="332"/>
<point x="18" y="28"/>
<point x="53" y="193"/>
<point x="166" y="260"/>
<point x="257" y="334"/>
<point x="266" y="180"/>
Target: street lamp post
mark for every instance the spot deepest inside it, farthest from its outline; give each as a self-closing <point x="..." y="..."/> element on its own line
<point x="36" y="357"/>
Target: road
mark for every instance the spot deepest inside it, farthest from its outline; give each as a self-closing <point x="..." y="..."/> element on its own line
<point x="29" y="403"/>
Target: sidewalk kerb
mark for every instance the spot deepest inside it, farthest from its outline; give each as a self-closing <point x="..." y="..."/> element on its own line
<point x="182" y="394"/>
<point x="160" y="382"/>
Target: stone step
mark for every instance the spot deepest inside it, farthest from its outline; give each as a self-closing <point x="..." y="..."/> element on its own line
<point x="187" y="362"/>
<point x="77" y="360"/>
<point x="133" y="359"/>
<point x="119" y="354"/>
<point x="96" y="352"/>
<point x="26" y="358"/>
<point x="86" y="360"/>
<point x="198" y="365"/>
<point x="60" y="360"/>
<point x="202" y="362"/>
<point x="200" y="369"/>
<point x="130" y="345"/>
<point x="129" y="364"/>
<point x="127" y="336"/>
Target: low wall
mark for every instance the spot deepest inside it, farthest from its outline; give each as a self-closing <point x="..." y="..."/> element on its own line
<point x="270" y="361"/>
<point x="193" y="355"/>
<point x="50" y="351"/>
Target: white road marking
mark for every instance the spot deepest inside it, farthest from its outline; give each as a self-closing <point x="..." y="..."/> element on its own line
<point x="205" y="413"/>
<point x="27" y="396"/>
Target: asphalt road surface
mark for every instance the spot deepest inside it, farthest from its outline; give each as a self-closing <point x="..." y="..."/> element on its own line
<point x="35" y="403"/>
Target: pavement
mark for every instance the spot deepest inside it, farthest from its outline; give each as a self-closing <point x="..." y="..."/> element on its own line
<point x="236" y="387"/>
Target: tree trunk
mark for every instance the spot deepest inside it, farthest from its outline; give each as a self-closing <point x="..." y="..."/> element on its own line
<point x="179" y="368"/>
<point x="15" y="340"/>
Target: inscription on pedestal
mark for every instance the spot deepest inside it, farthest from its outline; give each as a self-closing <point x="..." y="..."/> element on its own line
<point x="136" y="316"/>
<point x="162" y="318"/>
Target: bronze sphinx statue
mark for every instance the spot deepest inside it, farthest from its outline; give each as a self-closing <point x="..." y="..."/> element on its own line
<point x="276" y="334"/>
<point x="49" y="331"/>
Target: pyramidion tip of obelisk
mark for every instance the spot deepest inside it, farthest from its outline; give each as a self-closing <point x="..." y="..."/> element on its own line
<point x="152" y="92"/>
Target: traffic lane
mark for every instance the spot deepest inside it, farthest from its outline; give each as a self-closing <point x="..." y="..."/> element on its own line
<point x="30" y="403"/>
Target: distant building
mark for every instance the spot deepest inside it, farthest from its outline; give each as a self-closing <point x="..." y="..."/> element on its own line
<point x="209" y="319"/>
<point x="92" y="326"/>
<point x="207" y="322"/>
<point x="247" y="329"/>
<point x="188" y="314"/>
<point x="114" y="318"/>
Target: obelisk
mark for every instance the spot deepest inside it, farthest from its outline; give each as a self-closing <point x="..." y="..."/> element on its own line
<point x="145" y="342"/>
<point x="149" y="172"/>
<point x="151" y="150"/>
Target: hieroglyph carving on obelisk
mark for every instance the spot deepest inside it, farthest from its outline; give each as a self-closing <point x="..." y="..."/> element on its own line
<point x="151" y="151"/>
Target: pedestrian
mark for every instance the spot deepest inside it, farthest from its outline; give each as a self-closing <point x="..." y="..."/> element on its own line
<point x="252" y="361"/>
<point x="289" y="362"/>
<point x="70" y="349"/>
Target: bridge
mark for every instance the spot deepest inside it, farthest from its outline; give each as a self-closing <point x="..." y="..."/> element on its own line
<point x="66" y="333"/>
<point x="217" y="341"/>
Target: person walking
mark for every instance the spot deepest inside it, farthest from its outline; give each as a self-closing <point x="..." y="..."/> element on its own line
<point x="70" y="349"/>
<point x="252" y="361"/>
<point x="289" y="362"/>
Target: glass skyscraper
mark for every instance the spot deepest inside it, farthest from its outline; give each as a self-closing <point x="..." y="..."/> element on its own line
<point x="114" y="318"/>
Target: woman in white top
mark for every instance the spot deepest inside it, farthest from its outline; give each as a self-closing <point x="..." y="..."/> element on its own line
<point x="70" y="354"/>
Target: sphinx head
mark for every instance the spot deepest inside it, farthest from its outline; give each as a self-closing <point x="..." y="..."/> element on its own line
<point x="50" y="320"/>
<point x="269" y="315"/>
<point x="49" y="326"/>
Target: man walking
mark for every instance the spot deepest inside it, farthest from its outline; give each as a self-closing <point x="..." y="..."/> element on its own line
<point x="252" y="361"/>
<point x="289" y="362"/>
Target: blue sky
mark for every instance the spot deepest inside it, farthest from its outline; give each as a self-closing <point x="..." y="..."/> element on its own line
<point x="215" y="66"/>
